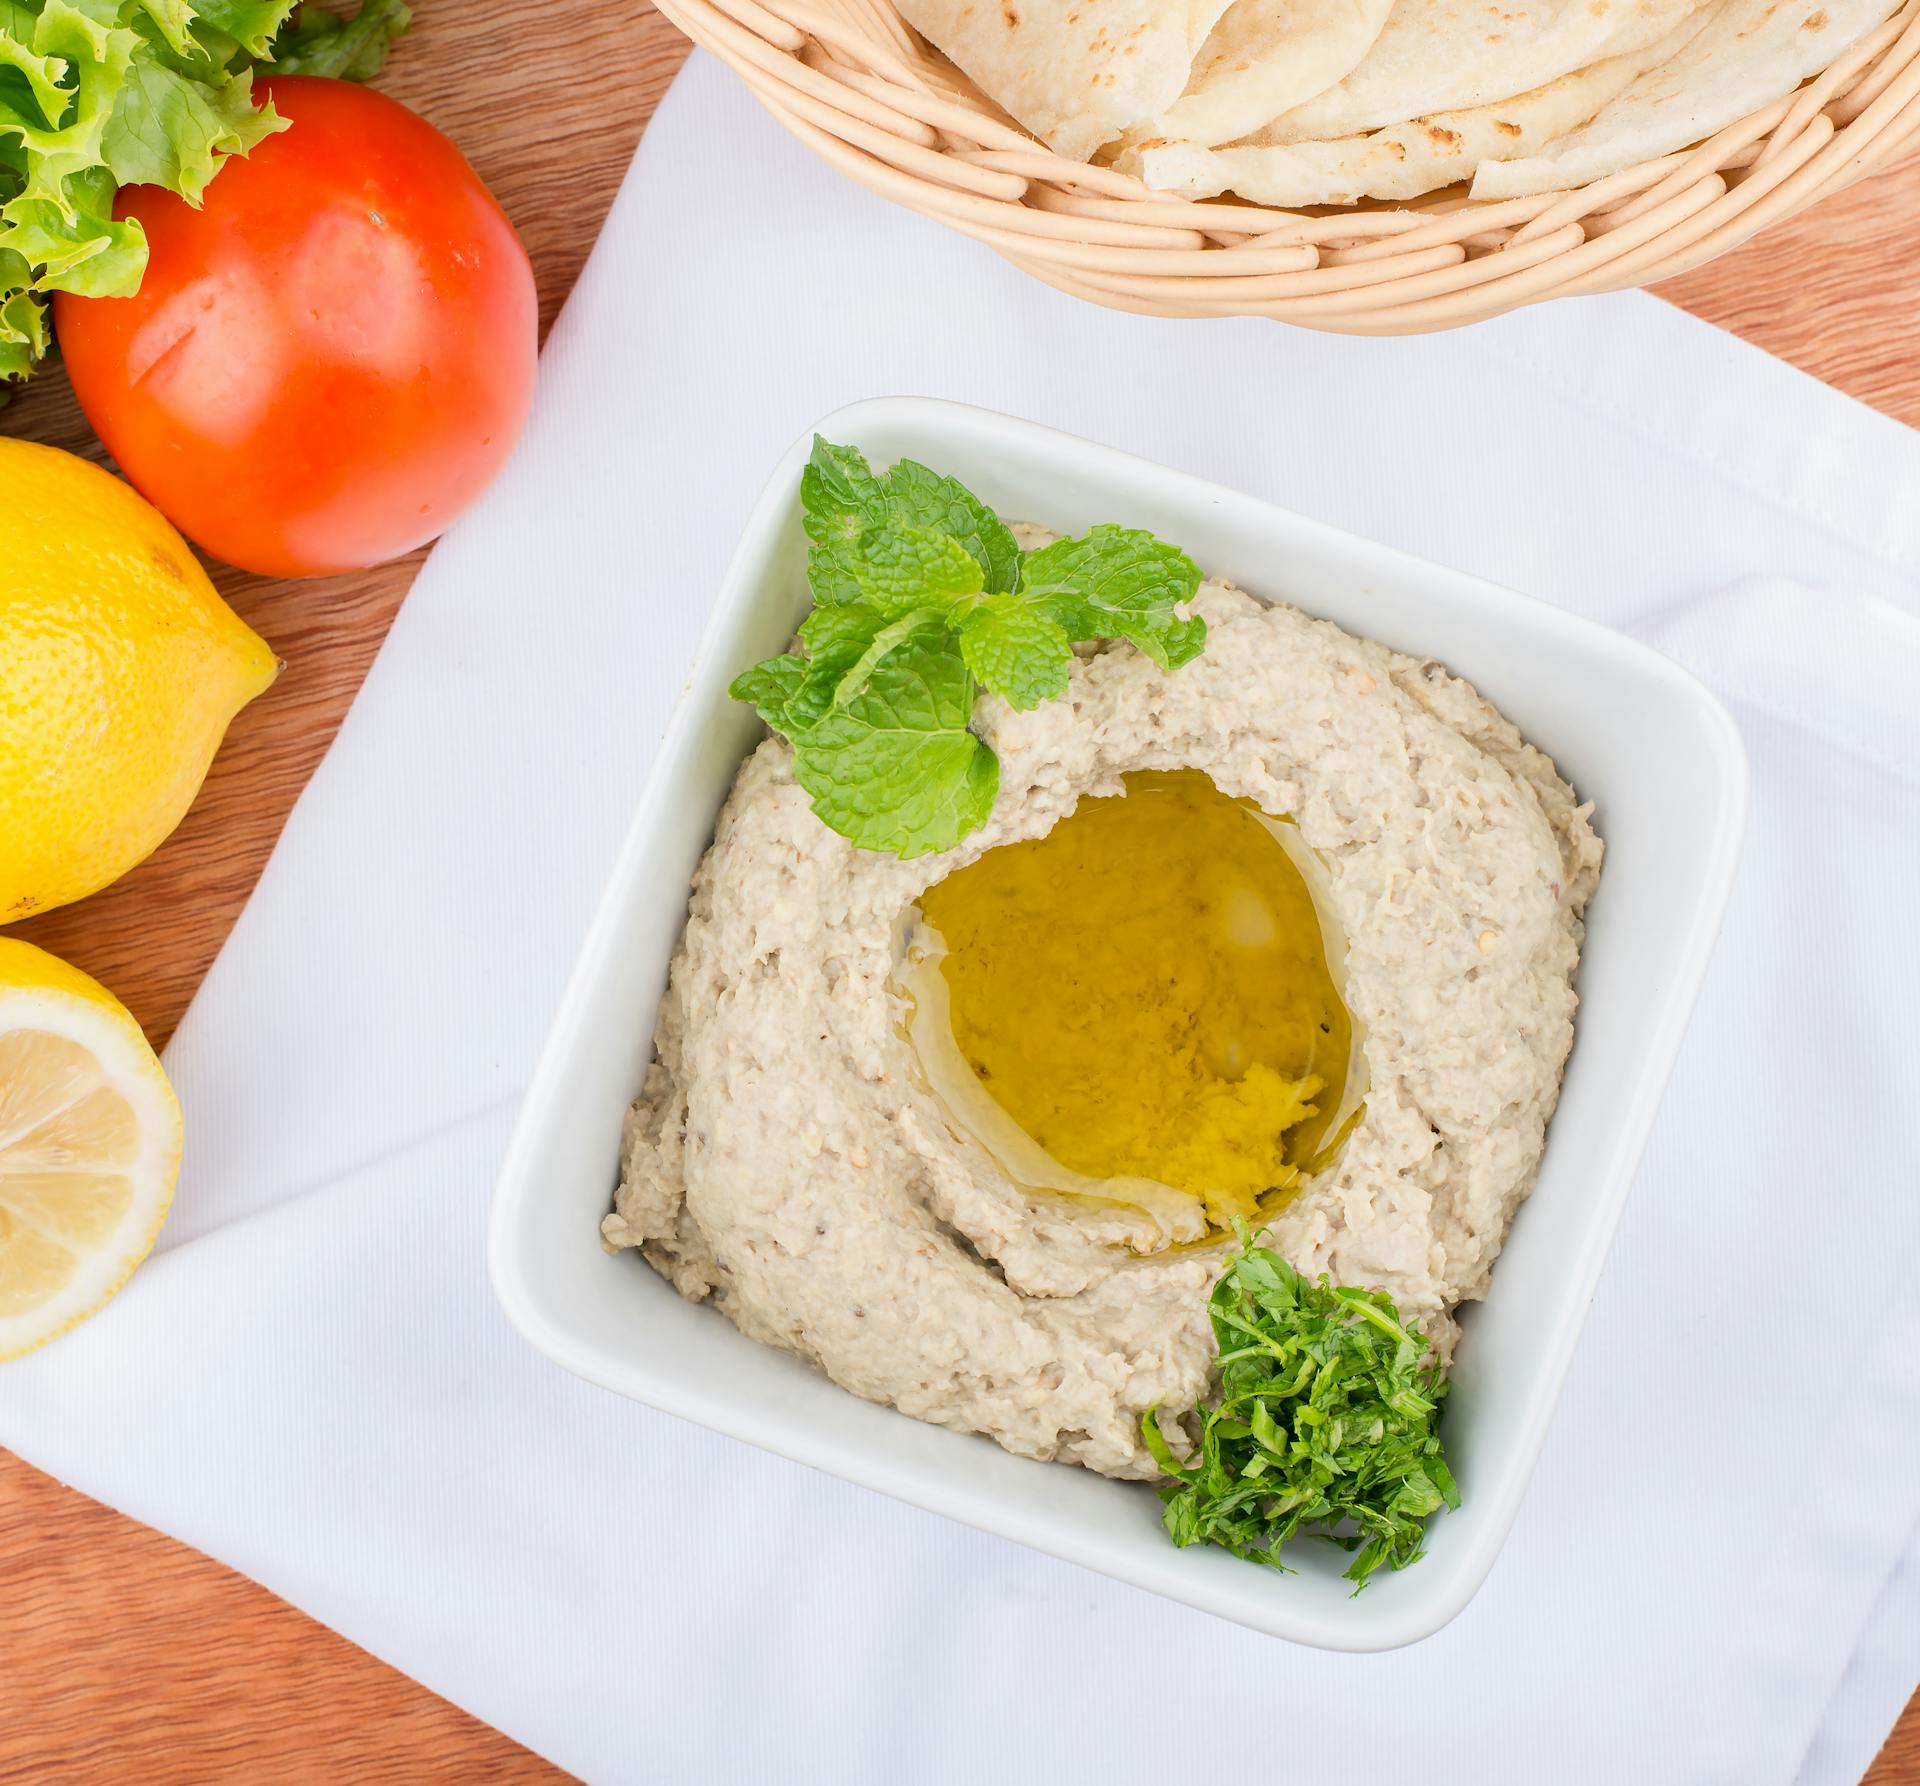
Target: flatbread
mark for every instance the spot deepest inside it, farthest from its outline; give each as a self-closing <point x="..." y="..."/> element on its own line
<point x="1750" y="53"/>
<point x="1407" y="159"/>
<point x="1264" y="57"/>
<point x="1077" y="73"/>
<point x="1404" y="160"/>
<point x="1448" y="55"/>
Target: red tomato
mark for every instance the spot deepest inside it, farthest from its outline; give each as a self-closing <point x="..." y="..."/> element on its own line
<point x="329" y="361"/>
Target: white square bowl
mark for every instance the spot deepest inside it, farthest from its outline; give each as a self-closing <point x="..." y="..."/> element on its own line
<point x="1639" y="737"/>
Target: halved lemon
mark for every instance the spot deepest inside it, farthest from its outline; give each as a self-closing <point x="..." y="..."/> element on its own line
<point x="89" y="1146"/>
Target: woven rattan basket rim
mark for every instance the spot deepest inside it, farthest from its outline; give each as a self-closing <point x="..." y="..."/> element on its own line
<point x="853" y="82"/>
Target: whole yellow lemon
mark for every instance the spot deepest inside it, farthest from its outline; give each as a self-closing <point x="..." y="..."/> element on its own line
<point x="120" y="668"/>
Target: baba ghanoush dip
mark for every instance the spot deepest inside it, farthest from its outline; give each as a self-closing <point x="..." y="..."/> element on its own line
<point x="1283" y="937"/>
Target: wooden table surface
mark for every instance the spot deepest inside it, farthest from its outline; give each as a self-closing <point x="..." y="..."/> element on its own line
<point x="124" y="1655"/>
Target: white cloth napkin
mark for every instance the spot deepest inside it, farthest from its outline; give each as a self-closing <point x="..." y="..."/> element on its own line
<point x="1713" y="1579"/>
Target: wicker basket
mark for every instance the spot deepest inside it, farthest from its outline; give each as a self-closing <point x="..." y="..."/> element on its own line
<point x="855" y="84"/>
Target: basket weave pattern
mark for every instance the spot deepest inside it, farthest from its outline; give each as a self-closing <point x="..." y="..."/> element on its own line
<point x="854" y="83"/>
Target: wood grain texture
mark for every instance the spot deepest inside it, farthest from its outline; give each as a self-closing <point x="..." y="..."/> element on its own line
<point x="1899" y="1761"/>
<point x="1835" y="291"/>
<point x="550" y="127"/>
<point x="126" y="1656"/>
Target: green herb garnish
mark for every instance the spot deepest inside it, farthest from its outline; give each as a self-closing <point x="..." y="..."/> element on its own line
<point x="1325" y="1424"/>
<point x="922" y="598"/>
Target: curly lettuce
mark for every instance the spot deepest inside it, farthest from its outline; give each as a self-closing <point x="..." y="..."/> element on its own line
<point x="100" y="94"/>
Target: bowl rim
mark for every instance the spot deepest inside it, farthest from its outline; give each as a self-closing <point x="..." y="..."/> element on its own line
<point x="516" y="1190"/>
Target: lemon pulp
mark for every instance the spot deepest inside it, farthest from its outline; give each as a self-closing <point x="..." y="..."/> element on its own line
<point x="1145" y="1004"/>
<point x="89" y="1146"/>
<point x="68" y="1142"/>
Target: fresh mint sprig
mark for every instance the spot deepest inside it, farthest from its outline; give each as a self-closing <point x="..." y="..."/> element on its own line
<point x="1326" y="1424"/>
<point x="922" y="598"/>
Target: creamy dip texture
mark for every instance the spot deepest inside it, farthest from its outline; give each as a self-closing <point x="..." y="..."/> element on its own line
<point x="790" y="1160"/>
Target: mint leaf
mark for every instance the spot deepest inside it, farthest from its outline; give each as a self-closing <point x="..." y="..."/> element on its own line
<point x="1016" y="650"/>
<point x="899" y="567"/>
<point x="842" y="498"/>
<point x="897" y="769"/>
<point x="771" y="686"/>
<point x="947" y="506"/>
<point x="922" y="597"/>
<point x="841" y="632"/>
<point x="1327" y="1424"/>
<point x="835" y="639"/>
<point x="844" y="643"/>
<point x="1119" y="583"/>
<point x="888" y="639"/>
<point x="839" y="496"/>
<point x="838" y="480"/>
<point x="1173" y="643"/>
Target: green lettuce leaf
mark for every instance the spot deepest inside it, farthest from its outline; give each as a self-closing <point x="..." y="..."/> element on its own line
<point x="23" y="320"/>
<point x="317" y="41"/>
<point x="249" y="26"/>
<point x="167" y="130"/>
<point x="98" y="94"/>
<point x="73" y="240"/>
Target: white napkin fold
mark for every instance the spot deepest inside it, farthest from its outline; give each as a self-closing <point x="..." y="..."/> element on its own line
<point x="1714" y="1578"/>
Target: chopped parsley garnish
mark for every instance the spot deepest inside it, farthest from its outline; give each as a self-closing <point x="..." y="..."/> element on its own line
<point x="1326" y="1424"/>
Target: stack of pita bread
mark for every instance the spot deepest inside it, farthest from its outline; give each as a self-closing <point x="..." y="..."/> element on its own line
<point x="1326" y="102"/>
